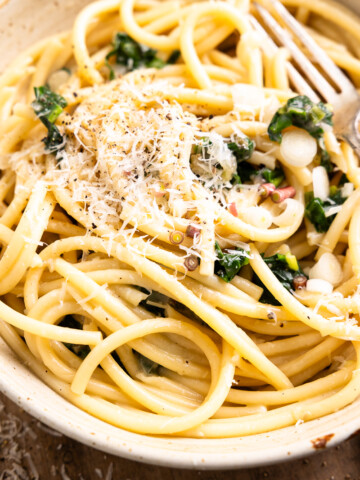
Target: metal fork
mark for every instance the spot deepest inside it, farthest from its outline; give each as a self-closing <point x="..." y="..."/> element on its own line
<point x="346" y="101"/>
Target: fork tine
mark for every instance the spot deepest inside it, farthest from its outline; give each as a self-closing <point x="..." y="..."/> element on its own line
<point x="322" y="85"/>
<point x="317" y="52"/>
<point x="297" y="79"/>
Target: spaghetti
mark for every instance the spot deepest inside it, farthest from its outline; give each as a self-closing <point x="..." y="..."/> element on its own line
<point x="179" y="228"/>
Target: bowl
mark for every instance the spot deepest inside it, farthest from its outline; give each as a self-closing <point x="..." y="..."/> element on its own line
<point x="21" y="24"/>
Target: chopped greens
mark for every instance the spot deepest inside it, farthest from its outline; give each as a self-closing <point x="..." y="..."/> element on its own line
<point x="54" y="141"/>
<point x="155" y="303"/>
<point x="173" y="58"/>
<point x="80" y="350"/>
<point x="133" y="55"/>
<point x="148" y="366"/>
<point x="202" y="147"/>
<point x="186" y="311"/>
<point x="325" y="160"/>
<point x="66" y="69"/>
<point x="301" y="112"/>
<point x="48" y="106"/>
<point x="285" y="268"/>
<point x="245" y="171"/>
<point x="229" y="263"/>
<point x="242" y="148"/>
<point x="275" y="176"/>
<point x="343" y="180"/>
<point x="316" y="209"/>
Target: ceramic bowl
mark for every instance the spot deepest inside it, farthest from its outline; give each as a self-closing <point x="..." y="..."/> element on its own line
<point x="21" y="24"/>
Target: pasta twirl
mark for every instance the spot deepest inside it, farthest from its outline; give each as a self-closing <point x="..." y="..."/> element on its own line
<point x="169" y="264"/>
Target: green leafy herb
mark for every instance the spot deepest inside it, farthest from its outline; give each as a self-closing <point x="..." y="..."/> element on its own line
<point x="148" y="366"/>
<point x="202" y="148"/>
<point x="275" y="176"/>
<point x="174" y="57"/>
<point x="245" y="172"/>
<point x="343" y="180"/>
<point x="325" y="160"/>
<point x="316" y="209"/>
<point x="153" y="303"/>
<point x="66" y="69"/>
<point x="54" y="141"/>
<point x="48" y="106"/>
<point x="301" y="112"/>
<point x="133" y="55"/>
<point x="186" y="311"/>
<point x="229" y="263"/>
<point x="242" y="147"/>
<point x="285" y="268"/>
<point x="79" y="350"/>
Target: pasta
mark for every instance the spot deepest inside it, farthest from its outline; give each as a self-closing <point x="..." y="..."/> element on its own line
<point x="179" y="227"/>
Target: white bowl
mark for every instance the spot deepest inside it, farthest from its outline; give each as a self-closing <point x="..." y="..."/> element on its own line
<point x="21" y="24"/>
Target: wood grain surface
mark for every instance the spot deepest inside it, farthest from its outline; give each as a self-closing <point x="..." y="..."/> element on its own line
<point x="29" y="450"/>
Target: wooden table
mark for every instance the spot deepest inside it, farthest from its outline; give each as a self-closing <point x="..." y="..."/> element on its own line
<point x="40" y="453"/>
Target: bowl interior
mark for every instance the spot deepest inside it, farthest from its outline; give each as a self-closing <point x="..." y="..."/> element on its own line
<point x="21" y="24"/>
<point x="24" y="388"/>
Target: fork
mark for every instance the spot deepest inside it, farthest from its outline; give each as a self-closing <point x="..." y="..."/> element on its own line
<point x="345" y="102"/>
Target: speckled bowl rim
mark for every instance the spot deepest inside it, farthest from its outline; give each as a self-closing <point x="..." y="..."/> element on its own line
<point x="19" y="384"/>
<point x="31" y="394"/>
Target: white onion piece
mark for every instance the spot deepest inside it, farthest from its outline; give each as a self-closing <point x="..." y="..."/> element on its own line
<point x="319" y="286"/>
<point x="333" y="210"/>
<point x="257" y="216"/>
<point x="314" y="238"/>
<point x="347" y="190"/>
<point x="57" y="79"/>
<point x="298" y="148"/>
<point x="327" y="268"/>
<point x="321" y="183"/>
<point x="293" y="209"/>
